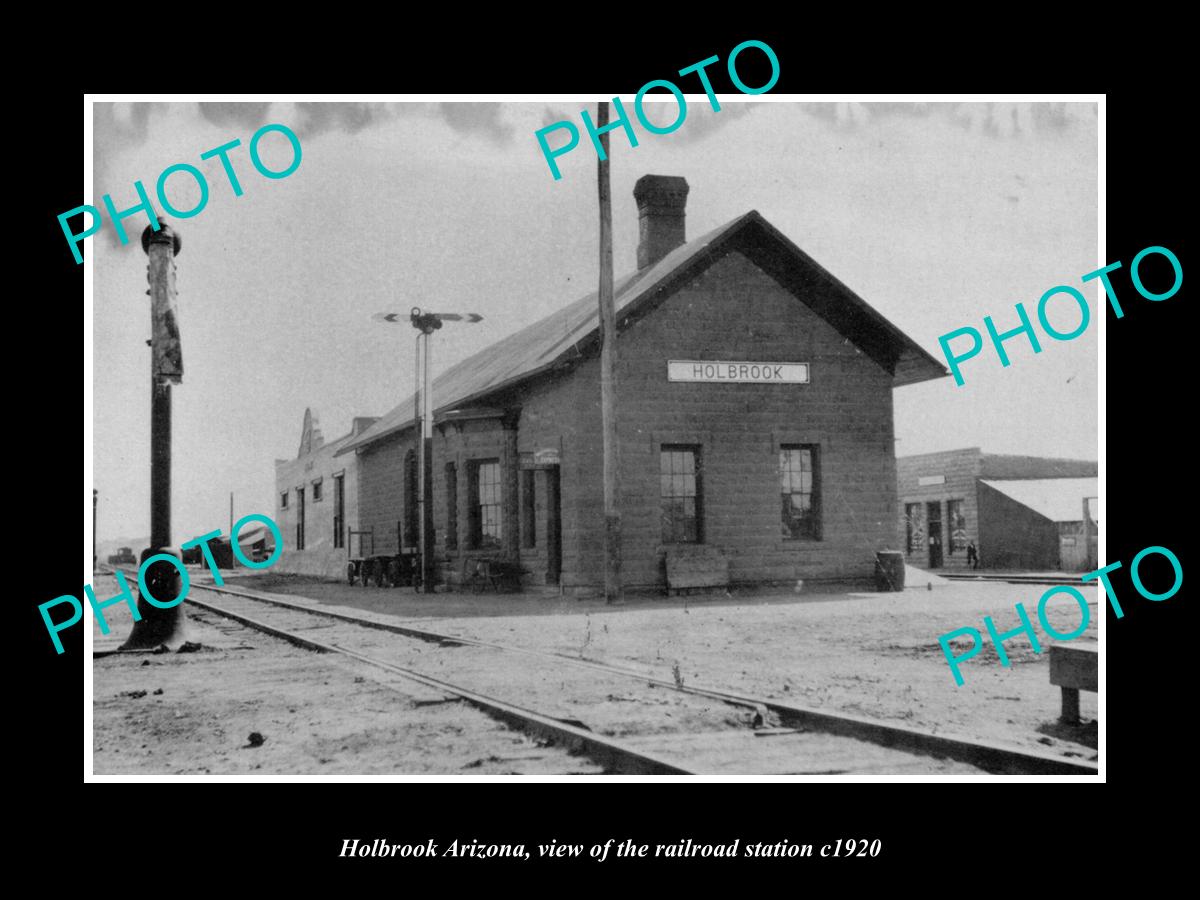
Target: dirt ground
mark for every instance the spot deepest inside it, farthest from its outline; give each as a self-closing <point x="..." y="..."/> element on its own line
<point x="863" y="653"/>
<point x="194" y="713"/>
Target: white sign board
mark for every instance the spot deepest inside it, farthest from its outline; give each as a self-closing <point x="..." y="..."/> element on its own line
<point x="712" y="370"/>
<point x="926" y="480"/>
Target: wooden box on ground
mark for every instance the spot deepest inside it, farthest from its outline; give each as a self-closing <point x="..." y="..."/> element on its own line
<point x="693" y="567"/>
<point x="1074" y="668"/>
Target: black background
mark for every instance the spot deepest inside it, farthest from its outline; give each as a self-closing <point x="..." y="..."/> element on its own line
<point x="964" y="834"/>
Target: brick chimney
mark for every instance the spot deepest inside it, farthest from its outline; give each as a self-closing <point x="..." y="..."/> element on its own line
<point x="661" y="202"/>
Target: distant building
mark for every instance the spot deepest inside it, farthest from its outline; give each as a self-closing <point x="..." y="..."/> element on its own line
<point x="754" y="409"/>
<point x="1022" y="512"/>
<point x="316" y="502"/>
<point x="256" y="542"/>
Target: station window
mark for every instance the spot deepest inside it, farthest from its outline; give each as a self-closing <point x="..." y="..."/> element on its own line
<point x="958" y="525"/>
<point x="486" y="528"/>
<point x="283" y="498"/>
<point x="799" y="486"/>
<point x="317" y="490"/>
<point x="682" y="496"/>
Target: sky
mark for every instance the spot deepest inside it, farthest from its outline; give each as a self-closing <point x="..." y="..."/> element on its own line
<point x="936" y="214"/>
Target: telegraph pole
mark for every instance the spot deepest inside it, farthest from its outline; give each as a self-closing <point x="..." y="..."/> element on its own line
<point x="608" y="384"/>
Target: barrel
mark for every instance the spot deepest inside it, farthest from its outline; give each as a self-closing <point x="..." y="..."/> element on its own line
<point x="889" y="570"/>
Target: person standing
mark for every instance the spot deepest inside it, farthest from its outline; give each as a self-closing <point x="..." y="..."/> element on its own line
<point x="972" y="556"/>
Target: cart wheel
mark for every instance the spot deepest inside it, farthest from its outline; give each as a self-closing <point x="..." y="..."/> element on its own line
<point x="350" y="573"/>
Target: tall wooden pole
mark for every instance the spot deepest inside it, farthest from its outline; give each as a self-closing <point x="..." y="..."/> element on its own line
<point x="608" y="382"/>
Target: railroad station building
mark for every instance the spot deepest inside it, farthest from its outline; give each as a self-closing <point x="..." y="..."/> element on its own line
<point x="316" y="502"/>
<point x="754" y="412"/>
<point x="1022" y="512"/>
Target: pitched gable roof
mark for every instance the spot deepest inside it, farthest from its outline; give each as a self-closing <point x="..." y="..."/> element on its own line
<point x="570" y="332"/>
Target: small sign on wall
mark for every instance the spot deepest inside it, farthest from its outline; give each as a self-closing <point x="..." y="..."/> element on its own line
<point x="926" y="480"/>
<point x="736" y="372"/>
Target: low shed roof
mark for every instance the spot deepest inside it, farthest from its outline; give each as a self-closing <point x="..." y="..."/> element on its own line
<point x="1058" y="499"/>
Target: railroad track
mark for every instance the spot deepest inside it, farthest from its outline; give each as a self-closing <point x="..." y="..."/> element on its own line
<point x="636" y="723"/>
<point x="1066" y="578"/>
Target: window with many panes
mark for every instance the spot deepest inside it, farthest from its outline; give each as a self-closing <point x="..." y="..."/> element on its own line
<point x="958" y="525"/>
<point x="800" y="491"/>
<point x="914" y="520"/>
<point x="682" y="499"/>
<point x="485" y="504"/>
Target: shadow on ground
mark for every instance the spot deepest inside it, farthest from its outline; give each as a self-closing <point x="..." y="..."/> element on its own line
<point x="1086" y="733"/>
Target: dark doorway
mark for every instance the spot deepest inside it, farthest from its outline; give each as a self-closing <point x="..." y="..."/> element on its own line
<point x="339" y="511"/>
<point x="412" y="525"/>
<point x="553" y="526"/>
<point x="933" y="515"/>
<point x="299" y="518"/>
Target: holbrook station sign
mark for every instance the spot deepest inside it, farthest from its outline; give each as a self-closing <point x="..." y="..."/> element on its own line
<point x="709" y="370"/>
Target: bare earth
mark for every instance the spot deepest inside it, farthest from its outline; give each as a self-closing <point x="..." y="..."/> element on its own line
<point x="863" y="653"/>
<point x="318" y="715"/>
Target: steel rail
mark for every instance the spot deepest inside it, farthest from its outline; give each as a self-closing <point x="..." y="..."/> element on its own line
<point x="612" y="754"/>
<point x="989" y="756"/>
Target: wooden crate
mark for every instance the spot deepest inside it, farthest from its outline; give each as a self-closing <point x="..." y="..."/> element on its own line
<point x="695" y="567"/>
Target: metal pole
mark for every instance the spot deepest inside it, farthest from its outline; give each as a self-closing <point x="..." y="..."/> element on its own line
<point x="419" y="435"/>
<point x="426" y="471"/>
<point x="417" y="388"/>
<point x="608" y="386"/>
<point x="95" y="500"/>
<point x="426" y="323"/>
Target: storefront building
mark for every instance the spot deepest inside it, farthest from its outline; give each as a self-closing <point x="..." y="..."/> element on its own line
<point x="1020" y="512"/>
